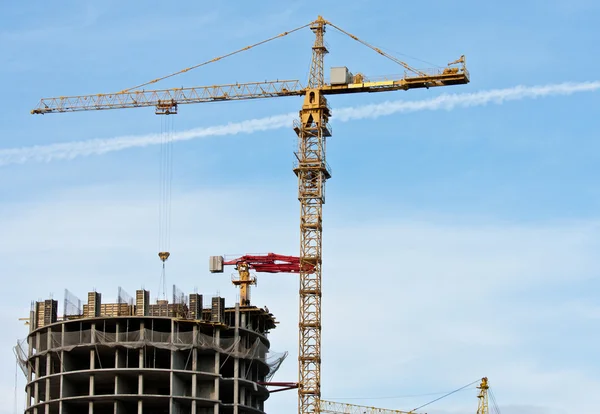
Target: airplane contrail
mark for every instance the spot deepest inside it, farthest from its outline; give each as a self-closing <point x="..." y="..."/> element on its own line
<point x="75" y="149"/>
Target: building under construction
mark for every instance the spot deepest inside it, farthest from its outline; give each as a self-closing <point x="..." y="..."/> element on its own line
<point x="134" y="356"/>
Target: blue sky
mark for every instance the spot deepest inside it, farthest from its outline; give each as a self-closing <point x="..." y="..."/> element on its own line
<point x="458" y="243"/>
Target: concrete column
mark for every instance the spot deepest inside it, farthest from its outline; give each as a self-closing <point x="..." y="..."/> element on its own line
<point x="93" y="333"/>
<point x="141" y="376"/>
<point x="141" y="365"/>
<point x="194" y="350"/>
<point x="61" y="409"/>
<point x="217" y="336"/>
<point x="194" y="384"/>
<point x="236" y="361"/>
<point x="242" y="373"/>
<point x="29" y="369"/>
<point x="47" y="406"/>
<point x="36" y="387"/>
<point x="92" y="367"/>
<point x="29" y="391"/>
<point x="117" y="331"/>
<point x="48" y="370"/>
<point x="174" y="330"/>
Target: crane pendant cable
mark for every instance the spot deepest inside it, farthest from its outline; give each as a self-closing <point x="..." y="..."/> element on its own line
<point x="164" y="202"/>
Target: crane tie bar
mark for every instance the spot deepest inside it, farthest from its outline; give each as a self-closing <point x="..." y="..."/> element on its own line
<point x="217" y="58"/>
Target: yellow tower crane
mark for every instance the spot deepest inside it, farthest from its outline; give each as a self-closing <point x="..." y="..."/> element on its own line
<point x="311" y="167"/>
<point x="482" y="407"/>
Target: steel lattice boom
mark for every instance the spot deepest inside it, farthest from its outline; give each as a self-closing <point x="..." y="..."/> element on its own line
<point x="312" y="173"/>
<point x="482" y="407"/>
<point x="343" y="408"/>
<point x="311" y="168"/>
<point x="168" y="99"/>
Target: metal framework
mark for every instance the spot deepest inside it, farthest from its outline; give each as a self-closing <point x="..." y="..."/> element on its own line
<point x="311" y="168"/>
<point x="264" y="263"/>
<point x="482" y="407"/>
<point x="342" y="408"/>
<point x="166" y="100"/>
<point x="312" y="173"/>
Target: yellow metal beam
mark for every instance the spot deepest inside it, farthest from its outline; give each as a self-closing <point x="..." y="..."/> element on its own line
<point x="169" y="97"/>
<point x="343" y="408"/>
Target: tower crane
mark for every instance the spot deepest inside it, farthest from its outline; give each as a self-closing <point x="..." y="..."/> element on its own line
<point x="311" y="167"/>
<point x="264" y="263"/>
<point x="482" y="407"/>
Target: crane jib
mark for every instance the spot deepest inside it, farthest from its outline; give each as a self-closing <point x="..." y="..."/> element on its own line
<point x="166" y="100"/>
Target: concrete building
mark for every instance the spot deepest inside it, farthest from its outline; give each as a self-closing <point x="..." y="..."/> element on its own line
<point x="166" y="358"/>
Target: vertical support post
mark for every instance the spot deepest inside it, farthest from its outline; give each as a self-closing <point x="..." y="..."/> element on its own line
<point x="217" y="339"/>
<point x="194" y="367"/>
<point x="30" y="340"/>
<point x="236" y="361"/>
<point x="242" y="366"/>
<point x="141" y="365"/>
<point x="36" y="388"/>
<point x="63" y="368"/>
<point x="174" y="337"/>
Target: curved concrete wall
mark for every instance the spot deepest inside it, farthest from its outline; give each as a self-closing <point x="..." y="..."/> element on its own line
<point x="147" y="365"/>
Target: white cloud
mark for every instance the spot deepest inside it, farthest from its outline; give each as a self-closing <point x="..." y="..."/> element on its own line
<point x="410" y="306"/>
<point x="71" y="150"/>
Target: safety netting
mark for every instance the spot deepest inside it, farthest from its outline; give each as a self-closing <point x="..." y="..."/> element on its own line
<point x="242" y="347"/>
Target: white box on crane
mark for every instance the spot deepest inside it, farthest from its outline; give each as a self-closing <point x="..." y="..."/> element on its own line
<point x="215" y="264"/>
<point x="340" y="76"/>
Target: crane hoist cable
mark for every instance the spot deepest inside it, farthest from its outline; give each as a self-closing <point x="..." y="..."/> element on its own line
<point x="165" y="196"/>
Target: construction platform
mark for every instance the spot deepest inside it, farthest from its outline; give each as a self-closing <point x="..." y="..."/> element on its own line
<point x="168" y="358"/>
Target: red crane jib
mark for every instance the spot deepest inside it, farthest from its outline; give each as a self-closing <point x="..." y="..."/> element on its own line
<point x="271" y="263"/>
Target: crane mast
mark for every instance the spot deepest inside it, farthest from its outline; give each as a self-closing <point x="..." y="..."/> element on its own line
<point x="312" y="172"/>
<point x="482" y="407"/>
